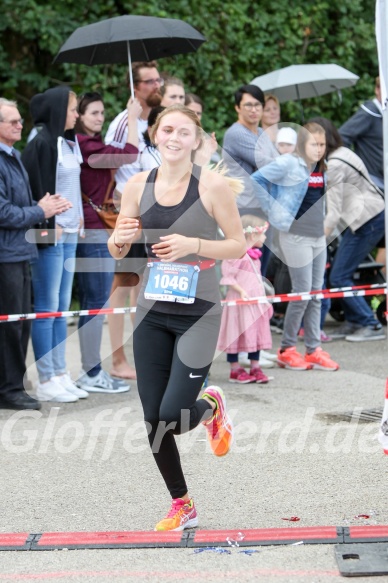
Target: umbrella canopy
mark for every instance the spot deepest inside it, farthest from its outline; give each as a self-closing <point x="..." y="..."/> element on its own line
<point x="126" y="38"/>
<point x="303" y="81"/>
<point x="105" y="42"/>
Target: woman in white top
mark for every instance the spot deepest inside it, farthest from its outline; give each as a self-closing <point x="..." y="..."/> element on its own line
<point x="52" y="160"/>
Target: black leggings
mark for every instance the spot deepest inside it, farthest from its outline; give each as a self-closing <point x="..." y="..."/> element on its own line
<point x="173" y="355"/>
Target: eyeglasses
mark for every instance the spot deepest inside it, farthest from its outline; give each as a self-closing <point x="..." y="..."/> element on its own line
<point x="158" y="81"/>
<point x="250" y="106"/>
<point x="14" y="122"/>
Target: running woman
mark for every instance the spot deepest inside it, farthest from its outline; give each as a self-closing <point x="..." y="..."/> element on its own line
<point x="180" y="207"/>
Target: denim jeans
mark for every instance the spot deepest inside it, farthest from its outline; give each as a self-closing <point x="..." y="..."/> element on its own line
<point x="95" y="270"/>
<point x="306" y="260"/>
<point x="353" y="249"/>
<point x="52" y="280"/>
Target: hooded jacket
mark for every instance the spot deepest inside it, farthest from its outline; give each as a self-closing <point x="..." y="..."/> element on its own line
<point x="40" y="156"/>
<point x="281" y="188"/>
<point x="364" y="131"/>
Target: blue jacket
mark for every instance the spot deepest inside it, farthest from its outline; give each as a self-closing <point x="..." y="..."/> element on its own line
<point x="18" y="211"/>
<point x="281" y="187"/>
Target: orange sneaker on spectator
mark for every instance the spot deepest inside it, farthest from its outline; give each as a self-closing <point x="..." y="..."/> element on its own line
<point x="319" y="359"/>
<point x="291" y="359"/>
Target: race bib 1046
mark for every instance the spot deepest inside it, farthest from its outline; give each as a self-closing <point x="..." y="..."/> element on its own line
<point x="172" y="282"/>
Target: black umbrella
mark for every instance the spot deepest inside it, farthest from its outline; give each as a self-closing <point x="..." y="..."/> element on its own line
<point x="126" y="38"/>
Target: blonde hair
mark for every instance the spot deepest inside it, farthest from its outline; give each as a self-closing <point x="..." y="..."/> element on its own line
<point x="177" y="107"/>
<point x="271" y="97"/>
<point x="235" y="184"/>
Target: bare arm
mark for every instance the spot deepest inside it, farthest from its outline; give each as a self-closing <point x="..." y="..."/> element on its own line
<point x="127" y="224"/>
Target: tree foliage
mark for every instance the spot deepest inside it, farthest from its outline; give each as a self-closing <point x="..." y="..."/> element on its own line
<point x="244" y="40"/>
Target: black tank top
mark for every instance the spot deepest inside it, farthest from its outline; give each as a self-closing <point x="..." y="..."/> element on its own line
<point x="188" y="218"/>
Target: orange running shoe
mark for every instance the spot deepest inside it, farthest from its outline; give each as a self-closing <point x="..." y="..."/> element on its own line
<point x="181" y="515"/>
<point x="219" y="427"/>
<point x="292" y="359"/>
<point x="319" y="359"/>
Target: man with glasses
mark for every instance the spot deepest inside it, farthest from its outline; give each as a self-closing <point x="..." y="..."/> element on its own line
<point x="18" y="213"/>
<point x="240" y="142"/>
<point x="147" y="83"/>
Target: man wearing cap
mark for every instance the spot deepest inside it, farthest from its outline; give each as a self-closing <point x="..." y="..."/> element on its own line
<point x="18" y="213"/>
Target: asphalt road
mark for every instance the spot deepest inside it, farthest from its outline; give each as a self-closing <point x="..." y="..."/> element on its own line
<point x="87" y="467"/>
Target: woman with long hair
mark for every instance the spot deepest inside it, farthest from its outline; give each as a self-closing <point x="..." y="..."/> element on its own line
<point x="52" y="160"/>
<point x="355" y="205"/>
<point x="291" y="191"/>
<point x="179" y="206"/>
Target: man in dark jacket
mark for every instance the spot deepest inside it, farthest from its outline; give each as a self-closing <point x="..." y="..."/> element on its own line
<point x="364" y="131"/>
<point x="18" y="214"/>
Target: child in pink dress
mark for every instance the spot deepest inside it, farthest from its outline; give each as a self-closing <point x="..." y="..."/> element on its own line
<point x="245" y="328"/>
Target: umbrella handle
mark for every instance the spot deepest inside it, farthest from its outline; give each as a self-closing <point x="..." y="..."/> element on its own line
<point x="130" y="69"/>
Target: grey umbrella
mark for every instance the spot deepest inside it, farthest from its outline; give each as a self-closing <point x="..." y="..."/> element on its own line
<point x="129" y="38"/>
<point x="302" y="81"/>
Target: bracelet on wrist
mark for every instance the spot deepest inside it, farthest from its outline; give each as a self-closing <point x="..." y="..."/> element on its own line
<point x="119" y="247"/>
<point x="199" y="246"/>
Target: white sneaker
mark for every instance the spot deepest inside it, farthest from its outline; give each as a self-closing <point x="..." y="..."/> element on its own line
<point x="65" y="381"/>
<point x="265" y="363"/>
<point x="101" y="383"/>
<point x="53" y="391"/>
<point x="243" y="358"/>
<point x="268" y="355"/>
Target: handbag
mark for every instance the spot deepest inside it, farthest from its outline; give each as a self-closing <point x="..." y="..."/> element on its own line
<point x="107" y="211"/>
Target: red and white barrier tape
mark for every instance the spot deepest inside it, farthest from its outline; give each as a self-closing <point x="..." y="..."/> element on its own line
<point x="338" y="292"/>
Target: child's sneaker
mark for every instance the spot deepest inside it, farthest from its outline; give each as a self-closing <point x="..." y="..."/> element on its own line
<point x="319" y="359"/>
<point x="292" y="359"/>
<point x="219" y="427"/>
<point x="260" y="377"/>
<point x="181" y="515"/>
<point x="240" y="375"/>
